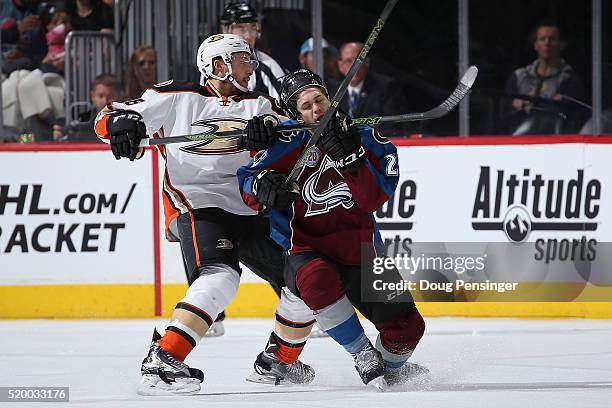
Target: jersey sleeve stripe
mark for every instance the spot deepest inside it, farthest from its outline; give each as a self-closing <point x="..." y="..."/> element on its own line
<point x="102" y="128"/>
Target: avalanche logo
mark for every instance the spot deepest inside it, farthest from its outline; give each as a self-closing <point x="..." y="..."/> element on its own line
<point x="217" y="146"/>
<point x="517" y="223"/>
<point x="326" y="189"/>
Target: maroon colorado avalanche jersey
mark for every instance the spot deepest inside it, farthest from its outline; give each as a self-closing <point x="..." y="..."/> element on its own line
<point x="334" y="213"/>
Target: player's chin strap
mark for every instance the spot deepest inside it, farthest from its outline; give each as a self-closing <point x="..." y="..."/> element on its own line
<point x="236" y="84"/>
<point x="229" y="77"/>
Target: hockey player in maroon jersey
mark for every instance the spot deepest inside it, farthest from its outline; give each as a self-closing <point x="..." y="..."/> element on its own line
<point x="323" y="221"/>
<point x="204" y="209"/>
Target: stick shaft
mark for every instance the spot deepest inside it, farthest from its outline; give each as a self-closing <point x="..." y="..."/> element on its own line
<point x="299" y="165"/>
<point x="444" y="108"/>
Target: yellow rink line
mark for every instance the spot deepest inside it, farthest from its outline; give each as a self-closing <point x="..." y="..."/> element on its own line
<point x="253" y="300"/>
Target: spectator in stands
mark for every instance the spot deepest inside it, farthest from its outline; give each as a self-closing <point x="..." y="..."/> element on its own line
<point x="92" y="15"/>
<point x="549" y="77"/>
<point x="331" y="74"/>
<point x="57" y="29"/>
<point x="33" y="102"/>
<point x="105" y="89"/>
<point x="141" y="72"/>
<point x="330" y="59"/>
<point x="23" y="43"/>
<point x="370" y="93"/>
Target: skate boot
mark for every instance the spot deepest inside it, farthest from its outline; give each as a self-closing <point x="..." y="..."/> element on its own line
<point x="217" y="329"/>
<point x="270" y="370"/>
<point x="317" y="332"/>
<point x="162" y="374"/>
<point x="408" y="374"/>
<point x="370" y="366"/>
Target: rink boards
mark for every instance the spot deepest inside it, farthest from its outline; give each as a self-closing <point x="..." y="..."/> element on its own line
<point x="81" y="233"/>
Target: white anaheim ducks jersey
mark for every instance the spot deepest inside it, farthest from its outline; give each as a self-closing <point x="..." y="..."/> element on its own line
<point x="199" y="174"/>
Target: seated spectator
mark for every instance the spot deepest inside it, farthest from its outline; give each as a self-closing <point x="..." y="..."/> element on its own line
<point x="92" y="15"/>
<point x="33" y="102"/>
<point x="370" y="93"/>
<point x="330" y="59"/>
<point x="141" y="72"/>
<point x="550" y="78"/>
<point x="23" y="43"/>
<point x="57" y="29"/>
<point x="105" y="89"/>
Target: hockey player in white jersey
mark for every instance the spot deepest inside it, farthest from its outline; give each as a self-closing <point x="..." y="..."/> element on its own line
<point x="204" y="209"/>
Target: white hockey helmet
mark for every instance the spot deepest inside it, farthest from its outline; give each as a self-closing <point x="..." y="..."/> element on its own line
<point x="221" y="45"/>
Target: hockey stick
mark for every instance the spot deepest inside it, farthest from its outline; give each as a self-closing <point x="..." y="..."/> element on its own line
<point x="301" y="162"/>
<point x="462" y="89"/>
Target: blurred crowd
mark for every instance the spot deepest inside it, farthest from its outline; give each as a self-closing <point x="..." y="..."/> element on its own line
<point x="544" y="97"/>
<point x="33" y="35"/>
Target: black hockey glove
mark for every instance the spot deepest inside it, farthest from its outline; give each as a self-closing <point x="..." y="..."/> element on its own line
<point x="126" y="130"/>
<point x="260" y="133"/>
<point x="270" y="190"/>
<point x="342" y="143"/>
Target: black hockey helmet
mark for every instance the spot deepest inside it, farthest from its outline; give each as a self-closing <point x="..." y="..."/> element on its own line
<point x="293" y="84"/>
<point x="239" y="12"/>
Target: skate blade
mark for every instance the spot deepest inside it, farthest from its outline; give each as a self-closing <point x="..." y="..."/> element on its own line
<point x="152" y="385"/>
<point x="215" y="330"/>
<point x="318" y="334"/>
<point x="266" y="379"/>
<point x="379" y="384"/>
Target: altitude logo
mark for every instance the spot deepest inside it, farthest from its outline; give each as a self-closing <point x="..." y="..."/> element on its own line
<point x="519" y="204"/>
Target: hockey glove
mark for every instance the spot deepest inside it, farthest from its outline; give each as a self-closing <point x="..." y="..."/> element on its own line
<point x="126" y="130"/>
<point x="270" y="190"/>
<point x="260" y="133"/>
<point x="342" y="143"/>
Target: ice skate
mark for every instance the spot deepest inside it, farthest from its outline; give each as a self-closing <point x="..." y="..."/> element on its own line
<point x="270" y="370"/>
<point x="408" y="374"/>
<point x="370" y="366"/>
<point x="217" y="329"/>
<point x="162" y="374"/>
<point x="317" y="331"/>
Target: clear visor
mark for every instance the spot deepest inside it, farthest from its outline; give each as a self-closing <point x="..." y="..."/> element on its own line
<point x="244" y="29"/>
<point x="246" y="60"/>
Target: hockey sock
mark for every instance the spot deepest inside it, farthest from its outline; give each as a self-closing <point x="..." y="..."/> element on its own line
<point x="340" y="321"/>
<point x="287" y="352"/>
<point x="179" y="340"/>
<point x="398" y="337"/>
<point x="392" y="361"/>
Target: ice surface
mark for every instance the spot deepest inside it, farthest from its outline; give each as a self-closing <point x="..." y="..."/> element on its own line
<point x="475" y="363"/>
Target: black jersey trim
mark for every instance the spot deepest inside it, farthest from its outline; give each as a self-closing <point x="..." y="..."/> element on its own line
<point x="183" y="86"/>
<point x="277" y="339"/>
<point x="289" y="323"/>
<point x="196" y="311"/>
<point x="183" y="334"/>
<point x="257" y="94"/>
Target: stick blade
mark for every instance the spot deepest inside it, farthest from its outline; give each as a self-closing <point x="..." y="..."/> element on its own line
<point x="470" y="76"/>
